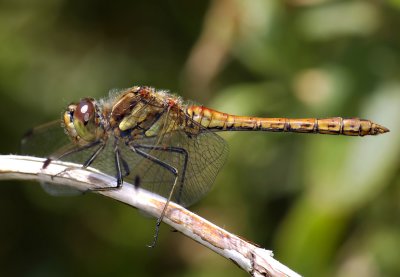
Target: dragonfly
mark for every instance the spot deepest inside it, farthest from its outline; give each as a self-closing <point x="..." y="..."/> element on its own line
<point x="159" y="142"/>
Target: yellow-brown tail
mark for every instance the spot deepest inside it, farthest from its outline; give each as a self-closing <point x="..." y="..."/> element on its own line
<point x="218" y="121"/>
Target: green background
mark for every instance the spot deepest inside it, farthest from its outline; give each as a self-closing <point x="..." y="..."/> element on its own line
<point x="326" y="205"/>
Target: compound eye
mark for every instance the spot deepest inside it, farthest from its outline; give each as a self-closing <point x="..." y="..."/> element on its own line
<point x="84" y="111"/>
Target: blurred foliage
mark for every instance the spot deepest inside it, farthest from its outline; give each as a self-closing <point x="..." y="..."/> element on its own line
<point x="326" y="205"/>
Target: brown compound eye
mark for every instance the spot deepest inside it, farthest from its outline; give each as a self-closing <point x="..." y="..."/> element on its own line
<point x="84" y="111"/>
<point x="83" y="117"/>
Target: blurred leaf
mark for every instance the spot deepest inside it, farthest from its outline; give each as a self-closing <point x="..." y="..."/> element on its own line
<point x="352" y="18"/>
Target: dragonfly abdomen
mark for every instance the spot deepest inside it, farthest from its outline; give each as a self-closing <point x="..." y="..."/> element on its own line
<point x="218" y="121"/>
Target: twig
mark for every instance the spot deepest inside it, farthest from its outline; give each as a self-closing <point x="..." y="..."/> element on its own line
<point x="249" y="257"/>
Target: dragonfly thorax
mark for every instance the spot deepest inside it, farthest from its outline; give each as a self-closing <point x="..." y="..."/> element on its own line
<point x="81" y="122"/>
<point x="141" y="112"/>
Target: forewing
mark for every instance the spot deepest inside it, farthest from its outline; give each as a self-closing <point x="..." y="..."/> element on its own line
<point x="50" y="141"/>
<point x="45" y="141"/>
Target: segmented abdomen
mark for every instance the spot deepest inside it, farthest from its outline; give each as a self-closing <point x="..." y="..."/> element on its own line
<point x="218" y="121"/>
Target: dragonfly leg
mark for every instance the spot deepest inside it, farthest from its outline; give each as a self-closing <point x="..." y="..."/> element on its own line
<point x="136" y="181"/>
<point x="171" y="169"/>
<point x="176" y="150"/>
<point x="118" y="167"/>
<point x="118" y="159"/>
<point x="86" y="164"/>
<point x="125" y="165"/>
<point x="119" y="173"/>
<point x="69" y="152"/>
<point x="94" y="156"/>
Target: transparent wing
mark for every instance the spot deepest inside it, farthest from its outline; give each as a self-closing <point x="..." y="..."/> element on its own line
<point x="197" y="156"/>
<point x="50" y="140"/>
<point x="45" y="141"/>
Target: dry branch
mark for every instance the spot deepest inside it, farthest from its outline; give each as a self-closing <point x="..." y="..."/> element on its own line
<point x="249" y="257"/>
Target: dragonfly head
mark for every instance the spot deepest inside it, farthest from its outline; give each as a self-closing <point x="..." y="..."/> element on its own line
<point x="81" y="122"/>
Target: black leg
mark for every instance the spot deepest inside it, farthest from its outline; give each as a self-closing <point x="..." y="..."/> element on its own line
<point x="171" y="169"/>
<point x="117" y="160"/>
<point x="69" y="152"/>
<point x="176" y="150"/>
<point x="125" y="165"/>
<point x="94" y="156"/>
<point x="118" y="166"/>
<point x="137" y="181"/>
<point x="168" y="167"/>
